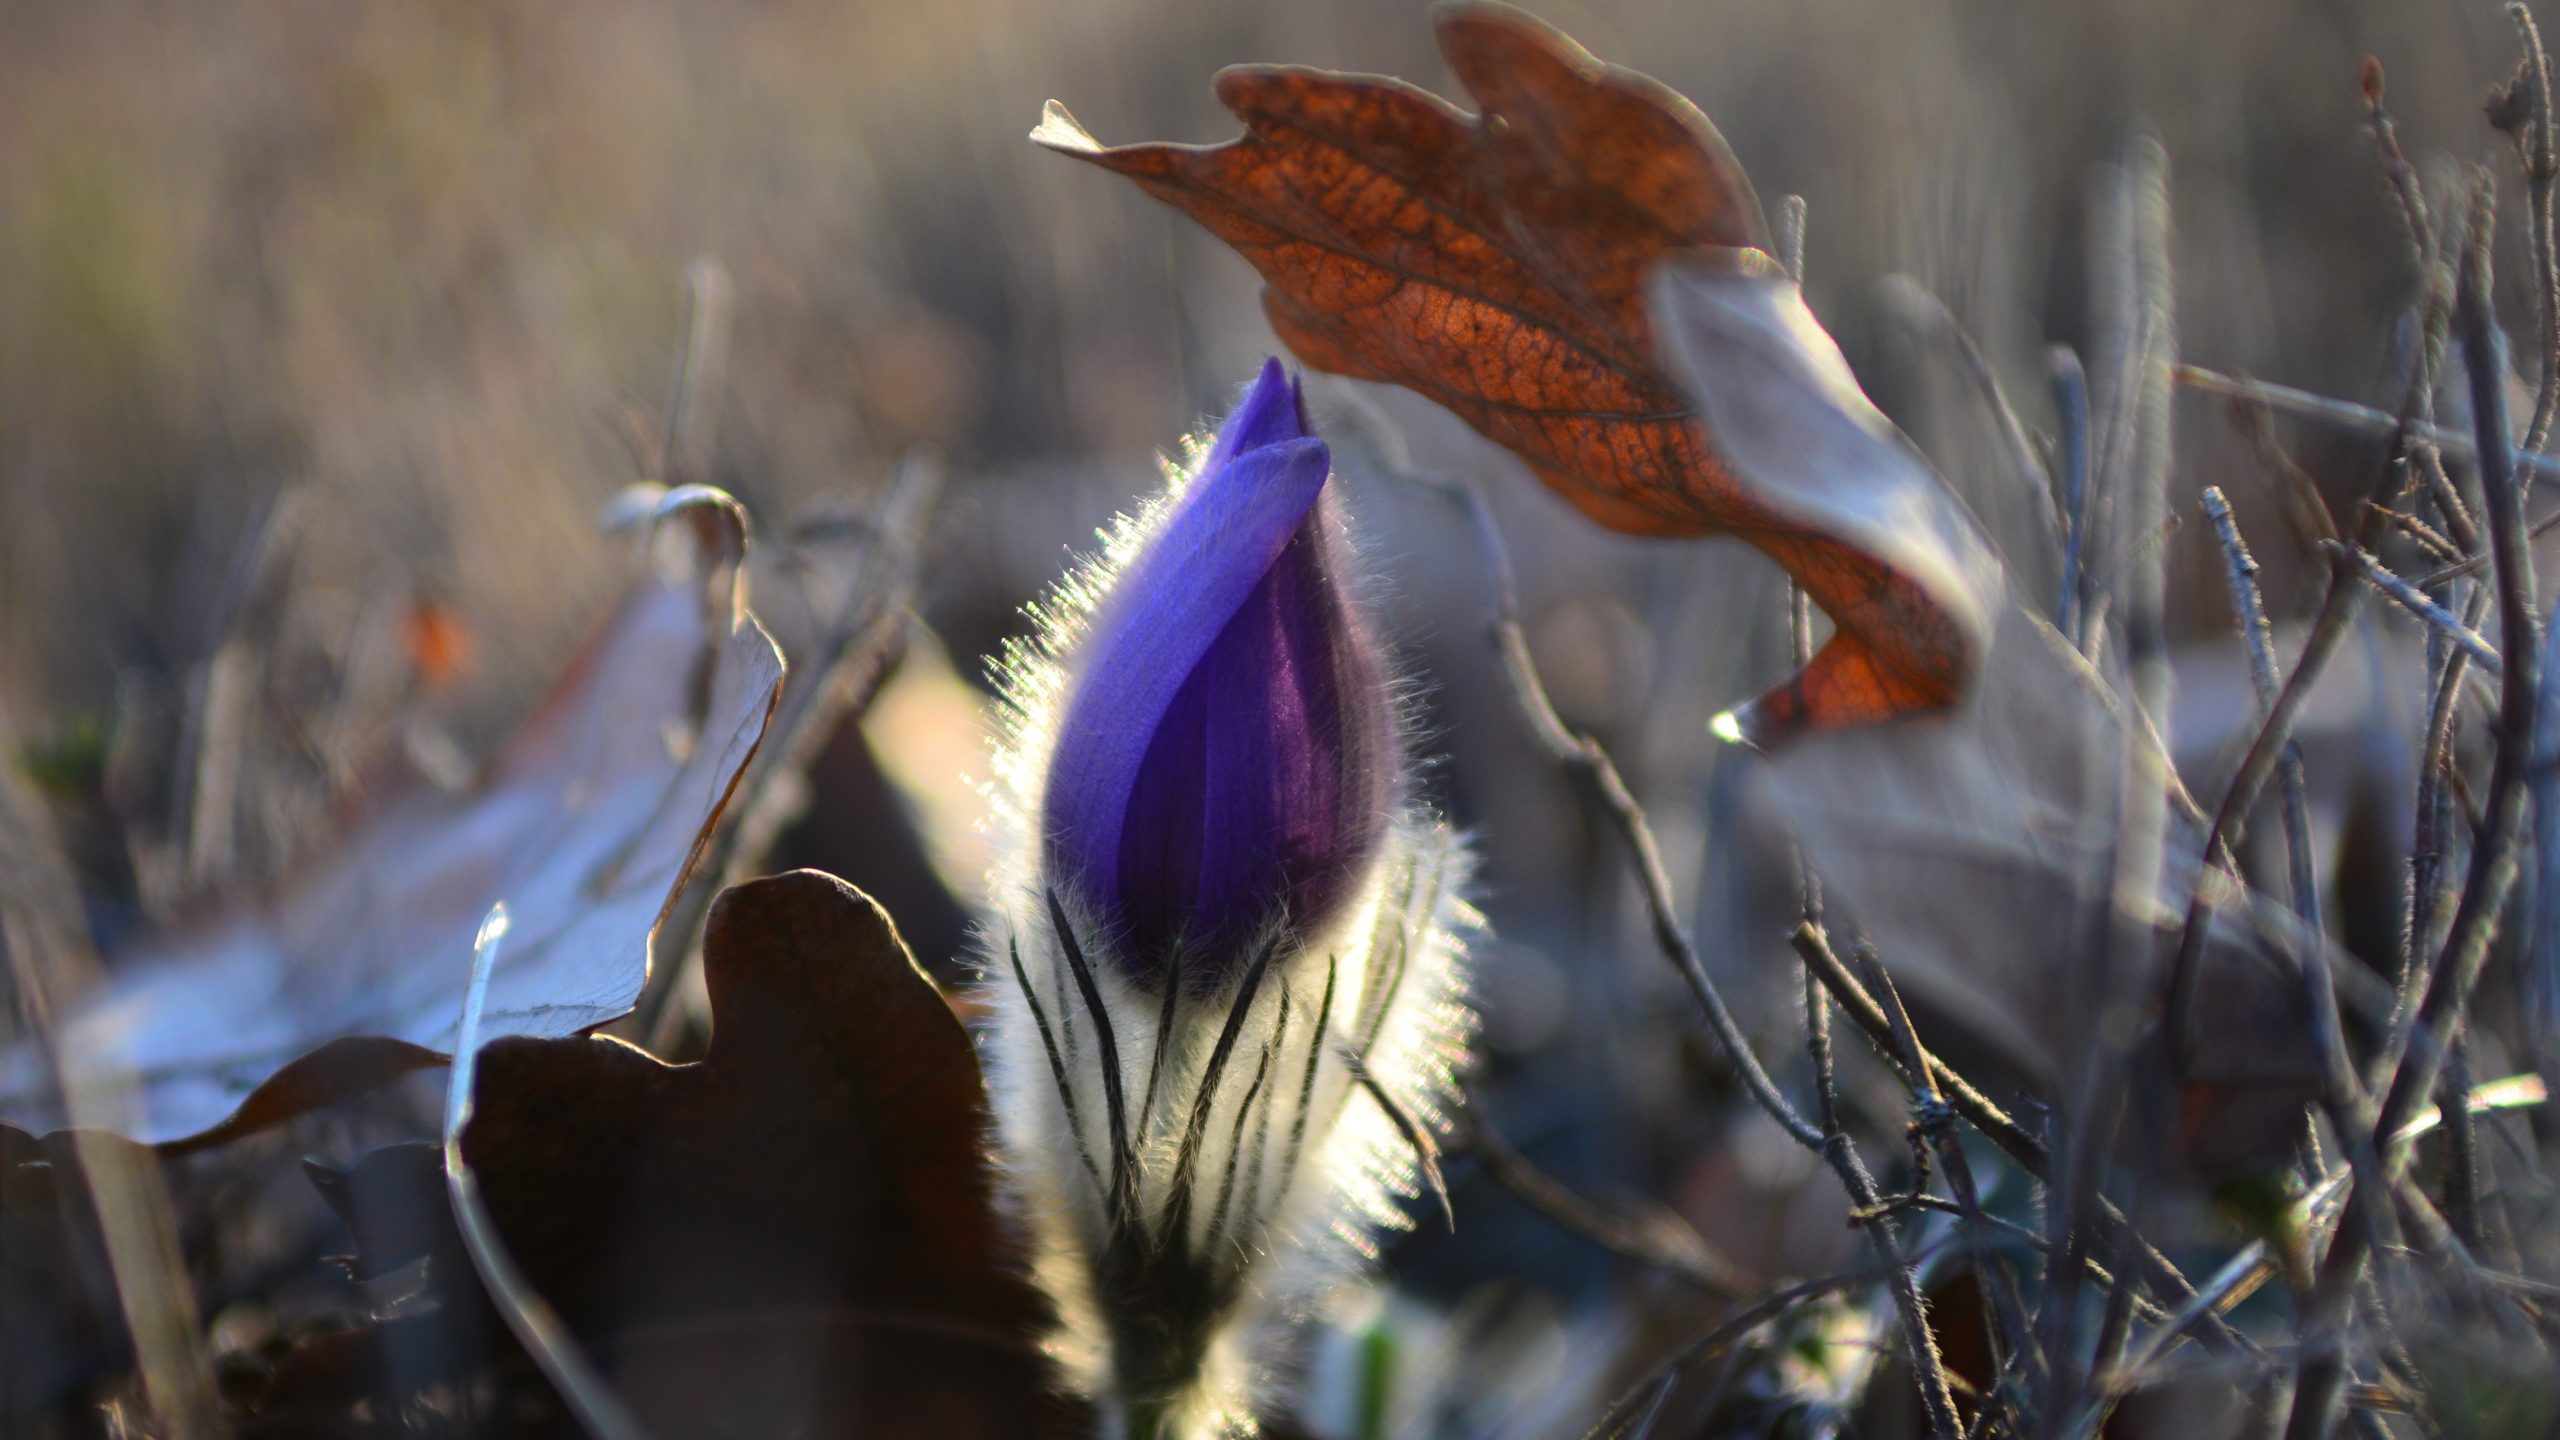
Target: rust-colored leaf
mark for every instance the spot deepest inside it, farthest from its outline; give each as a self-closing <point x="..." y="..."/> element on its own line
<point x="795" y="1235"/>
<point x="1500" y="264"/>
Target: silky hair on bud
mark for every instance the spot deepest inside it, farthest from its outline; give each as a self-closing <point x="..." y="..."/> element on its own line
<point x="1203" y="1146"/>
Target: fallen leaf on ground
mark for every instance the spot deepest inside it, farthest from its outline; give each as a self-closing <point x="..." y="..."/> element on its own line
<point x="1498" y="264"/>
<point x="794" y="1235"/>
<point x="1977" y="852"/>
<point x="351" y="971"/>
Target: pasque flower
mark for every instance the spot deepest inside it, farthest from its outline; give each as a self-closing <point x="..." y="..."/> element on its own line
<point x="1222" y="944"/>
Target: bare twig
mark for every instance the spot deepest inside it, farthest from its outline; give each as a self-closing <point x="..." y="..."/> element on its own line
<point x="2493" y="866"/>
<point x="2396" y="168"/>
<point x="1614" y="1421"/>
<point x="2450" y="666"/>
<point x="2266" y="677"/>
<point x="1668" y="1245"/>
<point x="2339" y="604"/>
<point x="2346" y="415"/>
<point x="1869" y="1212"/>
<point x="2462" y="1148"/>
<point x="1935" y="1120"/>
<point x="2480" y="562"/>
<point x="2343" y="1094"/>
<point x="2408" y="597"/>
<point x="1583" y="757"/>
<point x="2528" y="102"/>
<point x="2253" y="1264"/>
<point x="1986" y="1116"/>
<point x="2441" y="547"/>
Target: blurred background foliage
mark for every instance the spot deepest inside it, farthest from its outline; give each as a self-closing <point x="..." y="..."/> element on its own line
<point x="409" y="277"/>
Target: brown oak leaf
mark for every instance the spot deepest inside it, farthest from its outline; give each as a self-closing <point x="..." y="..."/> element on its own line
<point x="1499" y="265"/>
<point x="796" y="1235"/>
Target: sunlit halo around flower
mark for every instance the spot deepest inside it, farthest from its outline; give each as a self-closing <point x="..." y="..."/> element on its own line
<point x="1222" y="942"/>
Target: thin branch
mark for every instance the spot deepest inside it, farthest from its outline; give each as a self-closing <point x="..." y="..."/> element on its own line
<point x="1583" y="757"/>
<point x="2432" y="823"/>
<point x="2534" y="149"/>
<point x="1669" y="1245"/>
<point x="1986" y="1116"/>
<point x="2479" y="562"/>
<point x="2441" y="547"/>
<point x="1869" y="1212"/>
<point x="2396" y="169"/>
<point x="1935" y="1121"/>
<point x="2249" y="610"/>
<point x="1586" y="759"/>
<point x="1613" y="1421"/>
<point x="2462" y="1149"/>
<point x="2493" y="860"/>
<point x="1929" y="1368"/>
<point x="2339" y="604"/>
<point x="2345" y="415"/>
<point x="2408" y="597"/>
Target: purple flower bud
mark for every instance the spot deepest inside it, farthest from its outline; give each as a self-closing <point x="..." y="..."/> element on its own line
<point x="1224" y="762"/>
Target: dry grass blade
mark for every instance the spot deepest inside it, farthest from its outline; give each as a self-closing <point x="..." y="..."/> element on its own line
<point x="535" y="1325"/>
<point x="1922" y="308"/>
<point x="45" y="941"/>
<point x="702" y="365"/>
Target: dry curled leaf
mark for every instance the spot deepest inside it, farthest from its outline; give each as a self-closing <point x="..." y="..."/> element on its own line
<point x="1772" y="388"/>
<point x="1499" y="264"/>
<point x="794" y="1235"/>
<point x="352" y="970"/>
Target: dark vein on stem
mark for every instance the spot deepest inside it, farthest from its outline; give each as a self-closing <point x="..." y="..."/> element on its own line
<point x="1122" y="1162"/>
<point x="1307" y="1083"/>
<point x="1057" y="1066"/>
<point x="1178" y="1207"/>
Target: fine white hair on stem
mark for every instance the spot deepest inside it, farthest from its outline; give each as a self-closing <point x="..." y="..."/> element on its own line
<point x="1198" y="1171"/>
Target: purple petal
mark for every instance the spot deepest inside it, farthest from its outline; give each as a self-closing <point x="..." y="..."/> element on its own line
<point x="1272" y="411"/>
<point x="1224" y="760"/>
